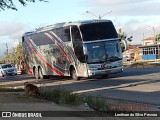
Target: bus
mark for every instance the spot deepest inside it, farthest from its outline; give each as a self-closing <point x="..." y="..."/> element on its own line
<point x="77" y="49"/>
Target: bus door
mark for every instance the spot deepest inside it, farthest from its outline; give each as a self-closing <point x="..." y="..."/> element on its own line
<point x="78" y="50"/>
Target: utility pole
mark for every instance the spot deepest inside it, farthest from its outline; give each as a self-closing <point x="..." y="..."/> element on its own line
<point x="142" y="37"/>
<point x="99" y="16"/>
<point x="154" y="32"/>
<point x="7" y="59"/>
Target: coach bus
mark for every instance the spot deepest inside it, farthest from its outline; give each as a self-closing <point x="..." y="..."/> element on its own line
<point x="76" y="49"/>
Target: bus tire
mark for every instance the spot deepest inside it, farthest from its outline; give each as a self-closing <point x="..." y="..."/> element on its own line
<point x="41" y="76"/>
<point x="36" y="73"/>
<point x="74" y="75"/>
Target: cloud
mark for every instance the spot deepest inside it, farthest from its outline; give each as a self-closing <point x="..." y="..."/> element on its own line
<point x="127" y="7"/>
<point x="11" y="30"/>
<point x="10" y="33"/>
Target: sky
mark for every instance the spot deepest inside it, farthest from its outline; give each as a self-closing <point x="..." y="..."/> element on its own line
<point x="135" y="17"/>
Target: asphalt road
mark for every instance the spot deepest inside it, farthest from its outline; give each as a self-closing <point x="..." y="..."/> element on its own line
<point x="140" y="85"/>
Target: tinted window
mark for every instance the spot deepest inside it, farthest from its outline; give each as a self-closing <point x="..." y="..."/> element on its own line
<point x="103" y="51"/>
<point x="41" y="39"/>
<point x="63" y="33"/>
<point x="6" y="66"/>
<point x="98" y="31"/>
<point x="24" y="42"/>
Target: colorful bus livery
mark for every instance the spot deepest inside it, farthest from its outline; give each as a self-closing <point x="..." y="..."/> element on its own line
<point x="76" y="49"/>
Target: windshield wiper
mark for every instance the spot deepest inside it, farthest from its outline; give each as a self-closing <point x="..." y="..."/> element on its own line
<point x="113" y="58"/>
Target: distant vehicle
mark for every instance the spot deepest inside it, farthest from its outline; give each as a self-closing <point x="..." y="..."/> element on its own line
<point x="76" y="49"/>
<point x="7" y="69"/>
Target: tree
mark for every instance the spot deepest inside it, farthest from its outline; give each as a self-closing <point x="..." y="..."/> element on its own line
<point x="158" y="36"/>
<point x="9" y="4"/>
<point x="15" y="56"/>
<point x="123" y="35"/>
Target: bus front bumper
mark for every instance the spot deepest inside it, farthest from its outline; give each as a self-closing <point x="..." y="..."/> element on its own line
<point x="105" y="71"/>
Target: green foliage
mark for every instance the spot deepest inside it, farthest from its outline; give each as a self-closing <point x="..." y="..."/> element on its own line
<point x="65" y="96"/>
<point x="9" y="4"/>
<point x="124" y="36"/>
<point x="14" y="56"/>
<point x="97" y="103"/>
<point x="158" y="36"/>
<point x="61" y="96"/>
<point x="7" y="89"/>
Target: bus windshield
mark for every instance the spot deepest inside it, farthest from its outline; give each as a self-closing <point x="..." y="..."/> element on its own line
<point x="104" y="51"/>
<point x="98" y="31"/>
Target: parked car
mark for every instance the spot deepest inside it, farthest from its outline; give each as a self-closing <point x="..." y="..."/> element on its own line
<point x="7" y="69"/>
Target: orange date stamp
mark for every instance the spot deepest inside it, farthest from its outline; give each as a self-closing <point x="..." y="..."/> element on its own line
<point x="130" y="107"/>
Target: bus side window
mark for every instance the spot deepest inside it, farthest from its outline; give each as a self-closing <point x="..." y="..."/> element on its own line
<point x="63" y="33"/>
<point x="76" y="34"/>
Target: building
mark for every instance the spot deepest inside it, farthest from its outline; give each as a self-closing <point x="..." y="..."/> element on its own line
<point x="150" y="49"/>
<point x="148" y="41"/>
<point x="133" y="53"/>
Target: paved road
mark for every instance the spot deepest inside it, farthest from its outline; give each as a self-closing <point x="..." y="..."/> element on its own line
<point x="137" y="85"/>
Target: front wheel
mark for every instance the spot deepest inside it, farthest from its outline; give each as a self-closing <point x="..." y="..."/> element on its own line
<point x="74" y="75"/>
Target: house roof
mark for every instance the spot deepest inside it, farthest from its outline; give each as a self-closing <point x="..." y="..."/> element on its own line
<point x="134" y="46"/>
<point x="149" y="38"/>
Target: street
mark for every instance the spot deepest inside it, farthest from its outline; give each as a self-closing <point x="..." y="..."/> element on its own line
<point x="139" y="85"/>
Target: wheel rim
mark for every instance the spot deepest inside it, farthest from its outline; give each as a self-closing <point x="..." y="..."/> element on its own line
<point x="74" y="75"/>
<point x="36" y="74"/>
<point x="40" y="73"/>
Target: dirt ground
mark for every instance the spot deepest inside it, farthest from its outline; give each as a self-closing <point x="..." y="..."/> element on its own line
<point x="20" y="102"/>
<point x="142" y="64"/>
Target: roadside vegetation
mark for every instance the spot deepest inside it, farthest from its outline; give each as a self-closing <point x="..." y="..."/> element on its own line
<point x="65" y="96"/>
<point x="7" y="89"/>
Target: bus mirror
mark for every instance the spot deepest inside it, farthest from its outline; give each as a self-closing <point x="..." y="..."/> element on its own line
<point x="124" y="45"/>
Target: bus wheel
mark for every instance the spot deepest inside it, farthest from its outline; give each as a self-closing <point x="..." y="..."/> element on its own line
<point x="41" y="76"/>
<point x="74" y="74"/>
<point x="36" y="73"/>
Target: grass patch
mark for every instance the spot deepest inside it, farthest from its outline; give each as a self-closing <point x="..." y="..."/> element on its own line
<point x="97" y="103"/>
<point x="8" y="89"/>
<point x="65" y="96"/>
<point x="61" y="96"/>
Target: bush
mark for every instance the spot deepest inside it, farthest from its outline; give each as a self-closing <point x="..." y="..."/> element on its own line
<point x="8" y="89"/>
<point x="98" y="103"/>
<point x="61" y="96"/>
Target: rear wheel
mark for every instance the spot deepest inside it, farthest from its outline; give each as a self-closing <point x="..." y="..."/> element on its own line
<point x="40" y="73"/>
<point x="36" y="73"/>
<point x="74" y="74"/>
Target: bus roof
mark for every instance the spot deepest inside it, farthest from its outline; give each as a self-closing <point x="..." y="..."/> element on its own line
<point x="58" y="25"/>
